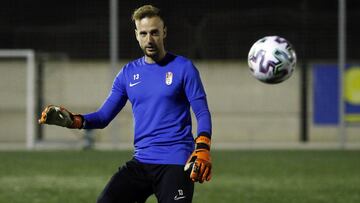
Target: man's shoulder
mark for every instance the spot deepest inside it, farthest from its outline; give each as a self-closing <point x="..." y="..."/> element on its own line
<point x="182" y="63"/>
<point x="135" y="63"/>
<point x="181" y="59"/>
<point x="131" y="66"/>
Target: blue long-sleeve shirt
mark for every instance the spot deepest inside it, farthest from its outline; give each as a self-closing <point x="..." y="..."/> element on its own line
<point x="161" y="95"/>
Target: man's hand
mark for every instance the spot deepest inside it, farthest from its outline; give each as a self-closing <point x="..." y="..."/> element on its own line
<point x="57" y="115"/>
<point x="200" y="161"/>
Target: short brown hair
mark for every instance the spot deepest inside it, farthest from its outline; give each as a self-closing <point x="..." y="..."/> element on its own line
<point x="145" y="11"/>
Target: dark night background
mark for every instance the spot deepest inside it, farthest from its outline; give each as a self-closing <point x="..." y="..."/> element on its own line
<point x="197" y="29"/>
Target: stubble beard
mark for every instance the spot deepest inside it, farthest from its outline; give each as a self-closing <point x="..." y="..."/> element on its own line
<point x="153" y="55"/>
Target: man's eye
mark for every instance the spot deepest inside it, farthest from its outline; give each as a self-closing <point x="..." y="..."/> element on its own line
<point x="142" y="34"/>
<point x="155" y="33"/>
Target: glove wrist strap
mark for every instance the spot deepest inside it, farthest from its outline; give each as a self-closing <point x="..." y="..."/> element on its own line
<point x="77" y="121"/>
<point x="203" y="142"/>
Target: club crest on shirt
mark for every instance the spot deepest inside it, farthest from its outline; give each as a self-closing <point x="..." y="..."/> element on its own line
<point x="169" y="78"/>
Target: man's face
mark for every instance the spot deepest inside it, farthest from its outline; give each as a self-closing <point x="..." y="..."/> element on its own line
<point x="150" y="34"/>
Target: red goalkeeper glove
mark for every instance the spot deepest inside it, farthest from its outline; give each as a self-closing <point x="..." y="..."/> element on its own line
<point x="57" y="115"/>
<point x="200" y="161"/>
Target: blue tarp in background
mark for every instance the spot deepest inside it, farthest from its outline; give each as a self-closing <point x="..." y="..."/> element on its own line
<point x="326" y="95"/>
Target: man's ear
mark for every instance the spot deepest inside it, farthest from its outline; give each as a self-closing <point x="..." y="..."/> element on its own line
<point x="136" y="34"/>
<point x="165" y="32"/>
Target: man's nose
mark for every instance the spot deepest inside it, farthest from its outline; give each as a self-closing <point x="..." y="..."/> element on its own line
<point x="149" y="38"/>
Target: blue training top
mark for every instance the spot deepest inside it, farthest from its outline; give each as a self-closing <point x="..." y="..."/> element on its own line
<point x="161" y="95"/>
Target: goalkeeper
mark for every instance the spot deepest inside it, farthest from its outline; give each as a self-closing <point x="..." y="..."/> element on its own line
<point x="161" y="88"/>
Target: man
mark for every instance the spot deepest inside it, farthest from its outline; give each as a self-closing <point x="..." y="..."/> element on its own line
<point x="161" y="87"/>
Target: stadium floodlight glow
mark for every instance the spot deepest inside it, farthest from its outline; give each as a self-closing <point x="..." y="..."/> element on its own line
<point x="29" y="55"/>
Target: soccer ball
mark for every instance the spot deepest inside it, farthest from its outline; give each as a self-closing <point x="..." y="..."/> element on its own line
<point x="272" y="59"/>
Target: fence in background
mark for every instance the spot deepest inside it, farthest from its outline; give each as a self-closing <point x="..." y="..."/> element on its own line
<point x="245" y="112"/>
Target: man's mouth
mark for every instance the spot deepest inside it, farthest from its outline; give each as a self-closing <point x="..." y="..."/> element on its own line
<point x="151" y="49"/>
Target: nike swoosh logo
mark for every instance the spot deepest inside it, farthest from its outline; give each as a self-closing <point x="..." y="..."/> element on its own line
<point x="178" y="198"/>
<point x="133" y="84"/>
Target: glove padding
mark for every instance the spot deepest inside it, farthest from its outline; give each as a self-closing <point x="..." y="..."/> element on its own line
<point x="200" y="161"/>
<point x="57" y="115"/>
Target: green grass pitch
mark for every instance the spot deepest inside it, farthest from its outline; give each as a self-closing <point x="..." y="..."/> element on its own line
<point x="264" y="176"/>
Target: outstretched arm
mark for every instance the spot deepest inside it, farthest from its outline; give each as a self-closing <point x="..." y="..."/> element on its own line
<point x="106" y="113"/>
<point x="57" y="115"/>
<point x="110" y="108"/>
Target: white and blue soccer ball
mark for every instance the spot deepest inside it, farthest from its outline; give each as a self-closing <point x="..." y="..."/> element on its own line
<point x="272" y="59"/>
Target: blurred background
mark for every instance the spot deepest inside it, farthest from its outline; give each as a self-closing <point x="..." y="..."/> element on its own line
<point x="77" y="51"/>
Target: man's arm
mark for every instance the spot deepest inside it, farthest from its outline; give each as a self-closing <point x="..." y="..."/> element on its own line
<point x="57" y="115"/>
<point x="111" y="107"/>
<point x="202" y="114"/>
<point x="106" y="113"/>
<point x="200" y="160"/>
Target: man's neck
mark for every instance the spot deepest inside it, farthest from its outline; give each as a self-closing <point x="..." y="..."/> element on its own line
<point x="155" y="59"/>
